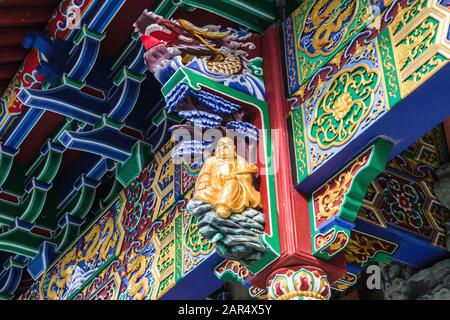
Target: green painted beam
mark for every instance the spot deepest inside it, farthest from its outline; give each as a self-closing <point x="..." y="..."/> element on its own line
<point x="15" y="181"/>
<point x="115" y="190"/>
<point x="46" y="166"/>
<point x="21" y="241"/>
<point x="6" y="161"/>
<point x="5" y="297"/>
<point x="33" y="204"/>
<point x="66" y="236"/>
<point x="69" y="230"/>
<point x="81" y="203"/>
<point x="141" y="154"/>
<point x="29" y="209"/>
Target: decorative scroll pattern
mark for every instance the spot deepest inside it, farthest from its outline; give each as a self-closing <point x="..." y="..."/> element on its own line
<point x="365" y="79"/>
<point x="364" y="248"/>
<point x="233" y="271"/>
<point x="338" y="110"/>
<point x="403" y="195"/>
<point x="328" y="199"/>
<point x="92" y="252"/>
<point x="420" y="42"/>
<point x="140" y="248"/>
<point x="318" y="30"/>
<point x="340" y="198"/>
<point x="345" y="283"/>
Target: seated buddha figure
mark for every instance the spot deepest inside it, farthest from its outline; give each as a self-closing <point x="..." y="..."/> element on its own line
<point x="226" y="181"/>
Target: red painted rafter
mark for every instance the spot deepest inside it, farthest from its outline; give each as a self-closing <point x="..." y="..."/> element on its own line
<point x="7" y="71"/>
<point x="13" y="37"/>
<point x="12" y="55"/>
<point x="24" y="17"/>
<point x="17" y="17"/>
<point x="28" y="3"/>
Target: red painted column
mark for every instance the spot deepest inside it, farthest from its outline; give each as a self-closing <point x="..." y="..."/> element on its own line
<point x="292" y="207"/>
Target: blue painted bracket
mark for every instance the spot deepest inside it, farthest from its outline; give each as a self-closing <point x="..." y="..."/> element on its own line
<point x="69" y="101"/>
<point x="66" y="100"/>
<point x="100" y="169"/>
<point x="124" y="98"/>
<point x="101" y="14"/>
<point x="29" y="119"/>
<point x="38" y="265"/>
<point x="11" y="275"/>
<point x="106" y="141"/>
<point x="84" y="55"/>
<point x="132" y="57"/>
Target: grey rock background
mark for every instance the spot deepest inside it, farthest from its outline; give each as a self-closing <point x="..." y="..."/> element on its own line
<point x="404" y="283"/>
<point x="236" y="238"/>
<point x="442" y="184"/>
<point x="433" y="283"/>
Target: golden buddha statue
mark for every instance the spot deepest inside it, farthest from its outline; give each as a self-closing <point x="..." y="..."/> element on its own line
<point x="226" y="181"/>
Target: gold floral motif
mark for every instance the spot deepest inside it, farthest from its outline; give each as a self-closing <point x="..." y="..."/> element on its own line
<point x="300" y="147"/>
<point x="344" y="107"/>
<point x="307" y="67"/>
<point x="418" y="77"/>
<point x="330" y="199"/>
<point x="363" y="247"/>
<point x="318" y="158"/>
<point x="379" y="108"/>
<point x="415" y="43"/>
<point x="389" y="67"/>
<point x="406" y="14"/>
<point x="195" y="242"/>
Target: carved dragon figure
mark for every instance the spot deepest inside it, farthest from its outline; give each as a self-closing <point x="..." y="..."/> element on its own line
<point x="324" y="20"/>
<point x="139" y="286"/>
<point x="220" y="54"/>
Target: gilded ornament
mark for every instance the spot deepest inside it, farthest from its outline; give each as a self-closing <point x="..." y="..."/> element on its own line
<point x="325" y="26"/>
<point x="344" y="107"/>
<point x="226" y="182"/>
<point x="330" y="199"/>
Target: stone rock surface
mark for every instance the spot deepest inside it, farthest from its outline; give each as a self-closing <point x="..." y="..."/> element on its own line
<point x="236" y="238"/>
<point x="442" y="190"/>
<point x="442" y="184"/>
<point x="404" y="283"/>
